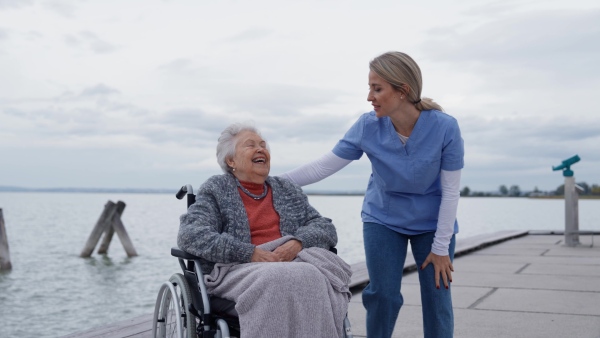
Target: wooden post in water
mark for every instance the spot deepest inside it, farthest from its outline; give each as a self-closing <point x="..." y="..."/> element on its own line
<point x="118" y="227"/>
<point x="109" y="223"/>
<point x="4" y="253"/>
<point x="101" y="225"/>
<point x="110" y="231"/>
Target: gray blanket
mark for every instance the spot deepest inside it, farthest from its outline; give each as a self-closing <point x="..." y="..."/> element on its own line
<point x="304" y="298"/>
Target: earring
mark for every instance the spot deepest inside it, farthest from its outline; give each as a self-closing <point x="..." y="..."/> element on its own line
<point x="233" y="169"/>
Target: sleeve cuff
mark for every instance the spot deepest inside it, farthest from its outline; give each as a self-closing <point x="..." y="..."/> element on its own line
<point x="439" y="252"/>
<point x="244" y="253"/>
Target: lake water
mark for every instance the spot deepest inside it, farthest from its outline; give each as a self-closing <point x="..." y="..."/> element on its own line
<point x="51" y="291"/>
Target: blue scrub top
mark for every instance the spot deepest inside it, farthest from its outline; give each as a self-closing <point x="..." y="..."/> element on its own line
<point x="404" y="191"/>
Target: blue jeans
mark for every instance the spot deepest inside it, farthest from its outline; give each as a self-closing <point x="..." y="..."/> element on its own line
<point x="385" y="252"/>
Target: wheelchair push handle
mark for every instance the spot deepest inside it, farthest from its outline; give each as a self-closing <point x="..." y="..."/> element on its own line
<point x="189" y="191"/>
<point x="186" y="189"/>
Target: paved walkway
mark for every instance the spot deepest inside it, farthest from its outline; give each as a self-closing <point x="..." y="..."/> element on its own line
<point x="529" y="286"/>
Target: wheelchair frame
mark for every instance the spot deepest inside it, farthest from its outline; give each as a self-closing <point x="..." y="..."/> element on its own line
<point x="185" y="312"/>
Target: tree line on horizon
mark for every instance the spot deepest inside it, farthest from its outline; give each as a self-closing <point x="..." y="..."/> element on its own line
<point x="515" y="191"/>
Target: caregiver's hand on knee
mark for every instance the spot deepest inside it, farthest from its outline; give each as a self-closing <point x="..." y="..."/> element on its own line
<point x="442" y="267"/>
<point x="288" y="250"/>
<point x="260" y="255"/>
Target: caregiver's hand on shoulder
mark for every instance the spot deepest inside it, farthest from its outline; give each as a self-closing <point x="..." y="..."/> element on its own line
<point x="260" y="255"/>
<point x="288" y="250"/>
<point x="442" y="267"/>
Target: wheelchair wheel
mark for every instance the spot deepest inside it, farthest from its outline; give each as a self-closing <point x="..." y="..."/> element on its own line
<point x="185" y="300"/>
<point x="171" y="316"/>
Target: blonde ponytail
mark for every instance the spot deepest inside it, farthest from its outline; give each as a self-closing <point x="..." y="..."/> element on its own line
<point x="428" y="104"/>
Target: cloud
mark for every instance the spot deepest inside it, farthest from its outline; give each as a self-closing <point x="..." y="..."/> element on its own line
<point x="98" y="109"/>
<point x="185" y="126"/>
<point x="530" y="66"/>
<point x="518" y="79"/>
<point x="493" y="9"/>
<point x="274" y="98"/>
<point x="281" y="110"/>
<point x="10" y="4"/>
<point x="99" y="93"/>
<point x="177" y="65"/>
<point x="193" y="118"/>
<point x="555" y="42"/>
<point x="61" y="7"/>
<point x="100" y="116"/>
<point x="183" y="74"/>
<point x="89" y="40"/>
<point x="183" y="69"/>
<point x="300" y="128"/>
<point x="525" y="137"/>
<point x="33" y="35"/>
<point x="99" y="89"/>
<point x="521" y="149"/>
<point x="249" y="35"/>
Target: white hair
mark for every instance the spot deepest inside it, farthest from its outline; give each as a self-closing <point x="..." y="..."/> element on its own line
<point x="228" y="141"/>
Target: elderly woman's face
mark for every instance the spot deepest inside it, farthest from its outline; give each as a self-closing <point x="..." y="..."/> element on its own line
<point x="252" y="160"/>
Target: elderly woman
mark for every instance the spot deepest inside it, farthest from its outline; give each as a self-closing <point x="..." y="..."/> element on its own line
<point x="264" y="247"/>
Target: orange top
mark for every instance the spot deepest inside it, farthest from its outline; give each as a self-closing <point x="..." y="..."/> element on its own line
<point x="263" y="219"/>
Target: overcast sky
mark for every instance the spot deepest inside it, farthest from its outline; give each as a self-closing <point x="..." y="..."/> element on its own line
<point x="133" y="94"/>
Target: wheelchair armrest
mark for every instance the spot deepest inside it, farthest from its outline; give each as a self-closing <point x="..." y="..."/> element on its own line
<point x="176" y="252"/>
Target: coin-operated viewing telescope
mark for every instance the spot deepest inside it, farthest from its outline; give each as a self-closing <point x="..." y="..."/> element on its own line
<point x="571" y="201"/>
<point x="565" y="166"/>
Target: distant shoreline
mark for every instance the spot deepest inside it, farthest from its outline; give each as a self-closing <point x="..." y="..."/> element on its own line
<point x="88" y="190"/>
<point x="173" y="191"/>
<point x="562" y="197"/>
<point x="145" y="191"/>
<point x="549" y="197"/>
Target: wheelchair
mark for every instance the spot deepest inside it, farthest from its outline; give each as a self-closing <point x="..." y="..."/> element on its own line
<point x="183" y="307"/>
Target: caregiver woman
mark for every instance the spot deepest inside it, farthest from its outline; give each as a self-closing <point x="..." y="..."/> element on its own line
<point x="416" y="153"/>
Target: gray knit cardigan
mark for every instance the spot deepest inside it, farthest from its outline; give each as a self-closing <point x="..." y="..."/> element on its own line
<point x="216" y="227"/>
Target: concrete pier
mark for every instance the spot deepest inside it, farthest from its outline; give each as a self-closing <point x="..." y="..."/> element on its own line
<point x="532" y="286"/>
<point x="508" y="284"/>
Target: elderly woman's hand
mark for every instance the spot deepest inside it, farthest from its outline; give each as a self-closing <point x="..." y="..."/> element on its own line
<point x="260" y="255"/>
<point x="289" y="250"/>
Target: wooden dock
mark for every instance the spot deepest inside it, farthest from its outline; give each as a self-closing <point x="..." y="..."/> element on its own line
<point x="141" y="327"/>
